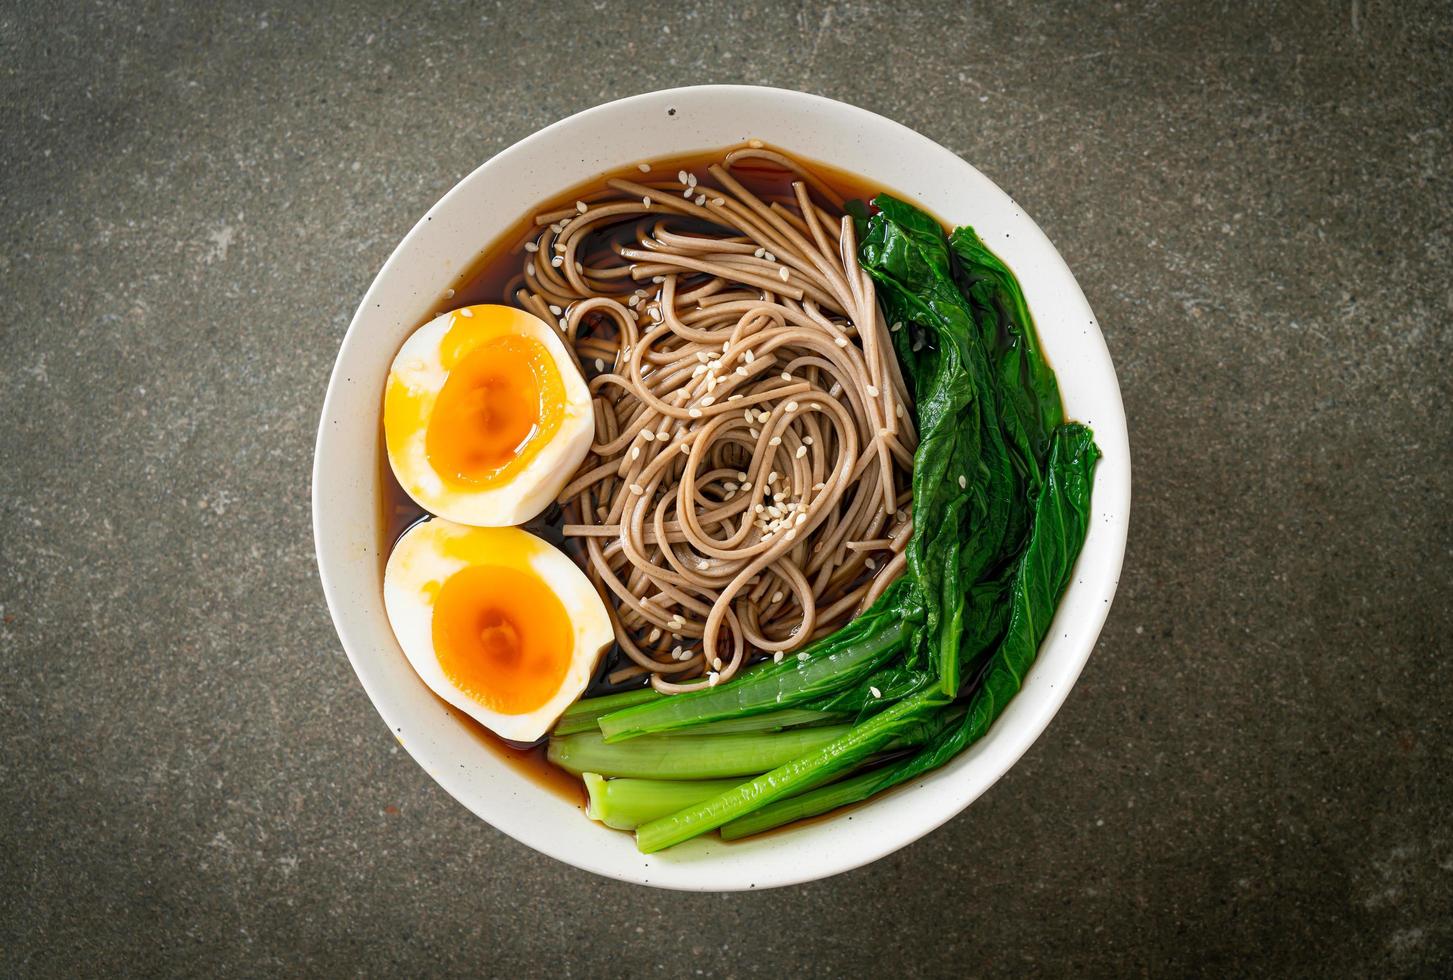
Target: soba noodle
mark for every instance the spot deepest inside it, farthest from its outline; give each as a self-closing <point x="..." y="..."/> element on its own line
<point x="748" y="488"/>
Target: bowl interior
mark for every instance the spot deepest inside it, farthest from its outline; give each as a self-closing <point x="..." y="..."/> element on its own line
<point x="444" y="245"/>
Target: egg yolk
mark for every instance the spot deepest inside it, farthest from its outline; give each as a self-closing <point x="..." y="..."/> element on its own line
<point x="501" y="402"/>
<point x="502" y="637"/>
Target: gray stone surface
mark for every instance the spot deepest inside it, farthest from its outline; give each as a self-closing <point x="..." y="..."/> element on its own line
<point x="1253" y="775"/>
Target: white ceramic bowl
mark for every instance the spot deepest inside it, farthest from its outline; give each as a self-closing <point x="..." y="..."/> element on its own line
<point x="445" y="242"/>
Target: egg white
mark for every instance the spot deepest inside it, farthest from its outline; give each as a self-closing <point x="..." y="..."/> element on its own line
<point x="419" y="366"/>
<point x="421" y="562"/>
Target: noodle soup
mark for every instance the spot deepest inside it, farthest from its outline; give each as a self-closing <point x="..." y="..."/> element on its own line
<point x="695" y="529"/>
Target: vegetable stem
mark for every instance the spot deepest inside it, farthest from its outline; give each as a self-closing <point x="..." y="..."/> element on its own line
<point x="838" y="660"/>
<point x="581" y="716"/>
<point x="688" y="756"/>
<point x="625" y="804"/>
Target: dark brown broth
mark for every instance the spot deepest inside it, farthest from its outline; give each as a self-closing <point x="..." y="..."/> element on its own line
<point x="484" y="282"/>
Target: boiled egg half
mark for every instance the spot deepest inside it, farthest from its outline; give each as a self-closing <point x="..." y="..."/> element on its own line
<point x="486" y="416"/>
<point x="497" y="622"/>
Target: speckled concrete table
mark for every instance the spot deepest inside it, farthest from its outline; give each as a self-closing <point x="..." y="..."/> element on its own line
<point x="1253" y="775"/>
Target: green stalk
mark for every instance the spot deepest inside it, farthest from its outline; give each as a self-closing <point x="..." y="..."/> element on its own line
<point x="804" y="805"/>
<point x="772" y="721"/>
<point x="905" y="719"/>
<point x="581" y="716"/>
<point x="688" y="756"/>
<point x="625" y="804"/>
<point x="833" y="663"/>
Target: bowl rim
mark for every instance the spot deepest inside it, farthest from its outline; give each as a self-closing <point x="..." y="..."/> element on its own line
<point x="1112" y="478"/>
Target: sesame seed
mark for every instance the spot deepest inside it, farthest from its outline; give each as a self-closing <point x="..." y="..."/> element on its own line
<point x="700" y="199"/>
<point x="530" y="269"/>
<point x="819" y="486"/>
<point x="686" y="449"/>
<point x="748" y="356"/>
<point x="644" y="168"/>
<point x="718" y="201"/>
<point x="580" y="206"/>
<point x="655" y="635"/>
<point x="759" y="508"/>
<point x="900" y="516"/>
<point x="709" y="399"/>
<point x="725" y="346"/>
<point x="769" y="256"/>
<point x="776" y="596"/>
<point x="710" y="382"/>
<point x="635" y="452"/>
<point x="791" y="406"/>
<point x="791" y="533"/>
<point x="756" y="433"/>
<point x="746" y="486"/>
<point x="712" y="678"/>
<point x="676" y="653"/>
<point x="466" y="311"/>
<point x="648" y="435"/>
<point x="897" y="326"/>
<point x="784" y="273"/>
<point x="777" y="657"/>
<point x="695" y="413"/>
<point x="807" y="440"/>
<point x="562" y="324"/>
<point x="636" y="488"/>
<point x="841" y="341"/>
<point x="646" y="201"/>
<point x="799" y="519"/>
<point x="579" y="267"/>
<point x="772" y="477"/>
<point x="687" y="193"/>
<point x="875" y="692"/>
<point x="775" y="441"/>
<point x="702" y="356"/>
<point x="870" y="563"/>
<point x="716" y="662"/>
<point x="802" y="657"/>
<point x="729" y="485"/>
<point x="599" y="364"/>
<point x="691" y="180"/>
<point x="532" y="246"/>
<point x="759" y="252"/>
<point x="764" y="416"/>
<point x="733" y="398"/>
<point x="801" y="452"/>
<point x="872" y="391"/>
<point x="681" y="176"/>
<point x="556" y="310"/>
<point x="963" y="482"/>
<point x="557" y="261"/>
<point x="742" y="372"/>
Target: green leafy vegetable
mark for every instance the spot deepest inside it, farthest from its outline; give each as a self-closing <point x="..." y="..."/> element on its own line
<point x="1061" y="520"/>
